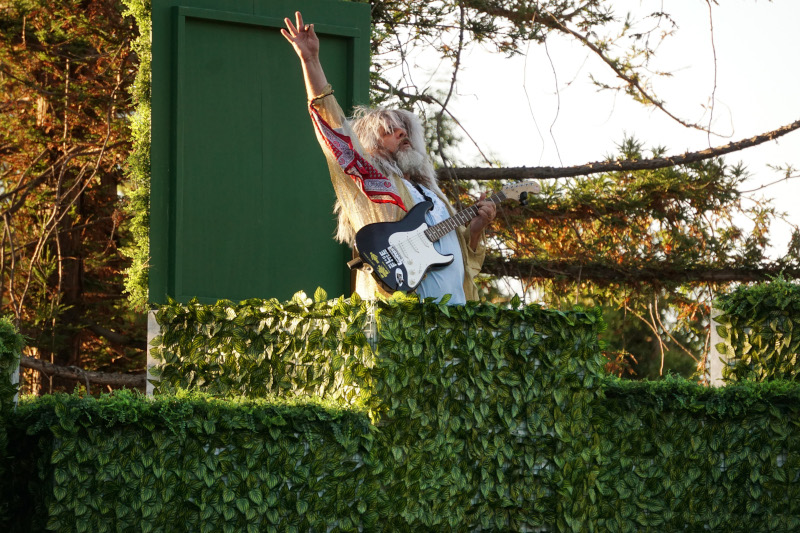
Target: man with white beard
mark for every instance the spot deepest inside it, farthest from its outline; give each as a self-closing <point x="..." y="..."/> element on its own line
<point x="395" y="175"/>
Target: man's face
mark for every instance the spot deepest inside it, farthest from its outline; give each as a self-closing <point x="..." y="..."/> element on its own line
<point x="395" y="141"/>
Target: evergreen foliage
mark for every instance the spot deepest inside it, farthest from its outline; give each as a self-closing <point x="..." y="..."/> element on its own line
<point x="138" y="168"/>
<point x="65" y="68"/>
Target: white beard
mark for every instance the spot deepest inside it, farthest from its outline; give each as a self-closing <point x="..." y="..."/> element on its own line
<point x="411" y="162"/>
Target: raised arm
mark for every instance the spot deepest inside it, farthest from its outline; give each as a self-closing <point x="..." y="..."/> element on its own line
<point x="305" y="42"/>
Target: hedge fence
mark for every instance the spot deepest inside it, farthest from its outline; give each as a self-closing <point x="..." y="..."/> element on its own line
<point x="473" y="418"/>
<point x="445" y="385"/>
<point x="760" y="331"/>
<point x="11" y="344"/>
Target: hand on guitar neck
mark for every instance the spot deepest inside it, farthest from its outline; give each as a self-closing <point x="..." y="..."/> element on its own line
<point x="486" y="213"/>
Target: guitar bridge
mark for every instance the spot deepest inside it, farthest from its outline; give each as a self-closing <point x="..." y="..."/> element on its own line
<point x="394" y="255"/>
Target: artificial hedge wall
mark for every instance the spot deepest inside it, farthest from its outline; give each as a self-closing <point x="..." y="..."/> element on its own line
<point x="485" y="411"/>
<point x="478" y="420"/>
<point x="446" y="385"/>
<point x="191" y="463"/>
<point x="676" y="456"/>
<point x="668" y="456"/>
<point x="760" y="331"/>
<point x="471" y="418"/>
<point x="11" y="344"/>
<point x="265" y="347"/>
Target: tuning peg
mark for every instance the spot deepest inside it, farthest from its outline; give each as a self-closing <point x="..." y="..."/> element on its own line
<point x="523" y="198"/>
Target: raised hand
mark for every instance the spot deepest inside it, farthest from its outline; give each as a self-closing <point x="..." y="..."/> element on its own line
<point x="302" y="37"/>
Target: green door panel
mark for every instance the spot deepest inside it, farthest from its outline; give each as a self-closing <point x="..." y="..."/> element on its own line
<point x="241" y="201"/>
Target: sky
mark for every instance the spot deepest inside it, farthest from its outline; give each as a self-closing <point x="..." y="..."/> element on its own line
<point x="541" y="109"/>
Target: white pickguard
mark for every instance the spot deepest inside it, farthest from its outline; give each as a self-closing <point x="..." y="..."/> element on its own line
<point x="417" y="253"/>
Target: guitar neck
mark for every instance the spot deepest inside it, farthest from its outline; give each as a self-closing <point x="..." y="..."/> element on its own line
<point x="434" y="233"/>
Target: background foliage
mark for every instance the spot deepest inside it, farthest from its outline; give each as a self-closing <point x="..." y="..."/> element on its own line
<point x="137" y="185"/>
<point x="65" y="69"/>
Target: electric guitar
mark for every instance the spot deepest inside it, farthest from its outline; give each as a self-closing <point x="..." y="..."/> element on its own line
<point x="399" y="254"/>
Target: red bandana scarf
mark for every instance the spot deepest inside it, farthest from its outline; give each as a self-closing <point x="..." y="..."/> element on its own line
<point x="375" y="185"/>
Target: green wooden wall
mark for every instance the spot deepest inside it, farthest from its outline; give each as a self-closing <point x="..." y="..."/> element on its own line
<point x="241" y="201"/>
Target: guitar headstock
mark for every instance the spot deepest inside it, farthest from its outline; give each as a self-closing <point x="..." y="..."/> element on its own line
<point x="520" y="191"/>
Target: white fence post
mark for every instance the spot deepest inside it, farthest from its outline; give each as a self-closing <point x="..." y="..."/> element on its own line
<point x="15" y="381"/>
<point x="153" y="330"/>
<point x="715" y="359"/>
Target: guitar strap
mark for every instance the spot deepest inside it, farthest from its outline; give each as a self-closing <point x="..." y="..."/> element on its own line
<point x="422" y="192"/>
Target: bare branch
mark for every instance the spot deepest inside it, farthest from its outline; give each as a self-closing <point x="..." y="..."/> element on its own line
<point x="631" y="78"/>
<point x="714" y="51"/>
<point x="78" y="374"/>
<point x="770" y="184"/>
<point x="117" y="338"/>
<point x="660" y="340"/>
<point x="632" y="274"/>
<point x="517" y="173"/>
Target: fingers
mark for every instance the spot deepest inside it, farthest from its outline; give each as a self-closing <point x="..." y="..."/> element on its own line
<point x="295" y="31"/>
<point x="487" y="210"/>
<point x="292" y="30"/>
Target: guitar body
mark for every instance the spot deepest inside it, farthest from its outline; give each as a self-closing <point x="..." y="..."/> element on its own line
<point x="399" y="253"/>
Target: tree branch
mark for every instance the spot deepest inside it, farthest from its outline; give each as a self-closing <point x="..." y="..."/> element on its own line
<point x="516" y="173"/>
<point x="522" y="17"/>
<point x="117" y="338"/>
<point x="631" y="78"/>
<point x="528" y="268"/>
<point x="71" y="372"/>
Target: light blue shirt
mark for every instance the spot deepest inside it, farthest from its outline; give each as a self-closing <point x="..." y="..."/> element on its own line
<point x="449" y="279"/>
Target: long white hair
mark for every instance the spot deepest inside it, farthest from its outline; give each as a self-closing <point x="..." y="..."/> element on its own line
<point x="370" y="123"/>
